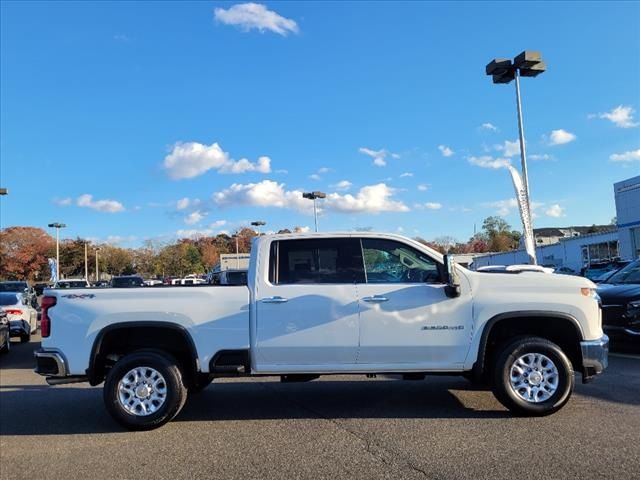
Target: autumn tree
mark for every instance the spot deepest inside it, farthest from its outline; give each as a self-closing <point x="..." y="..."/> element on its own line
<point x="24" y="252"/>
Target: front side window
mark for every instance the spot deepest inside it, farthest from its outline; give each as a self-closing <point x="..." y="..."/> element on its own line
<point x="328" y="260"/>
<point x="388" y="261"/>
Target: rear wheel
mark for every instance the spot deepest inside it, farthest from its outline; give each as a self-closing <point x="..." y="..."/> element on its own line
<point x="532" y="376"/>
<point x="144" y="390"/>
<point x="6" y="348"/>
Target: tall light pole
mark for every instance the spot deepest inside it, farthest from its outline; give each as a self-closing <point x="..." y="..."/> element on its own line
<point x="86" y="262"/>
<point x="502" y="70"/>
<point x="235" y="235"/>
<point x="258" y="224"/>
<point x="314" y="196"/>
<point x="97" y="249"/>
<point x="57" y="226"/>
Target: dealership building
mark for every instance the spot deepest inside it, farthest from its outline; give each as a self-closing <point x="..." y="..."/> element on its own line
<point x="574" y="249"/>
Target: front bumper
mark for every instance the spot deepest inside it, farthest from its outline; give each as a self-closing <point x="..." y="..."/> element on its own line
<point x="595" y="357"/>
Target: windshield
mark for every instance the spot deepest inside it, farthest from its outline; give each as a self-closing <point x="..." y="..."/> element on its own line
<point x="9" y="299"/>
<point x="13" y="286"/>
<point x="72" y="284"/>
<point x="120" y="282"/>
<point x="628" y="275"/>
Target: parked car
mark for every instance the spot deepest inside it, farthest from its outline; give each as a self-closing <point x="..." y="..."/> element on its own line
<point x="596" y="271"/>
<point x="72" y="283"/>
<point x="5" y="334"/>
<point x="127" y="281"/>
<point x="23" y="318"/>
<point x="14" y="286"/>
<point x="153" y="282"/>
<point x="101" y="284"/>
<point x="229" y="277"/>
<point x="329" y="304"/>
<point x="620" y="296"/>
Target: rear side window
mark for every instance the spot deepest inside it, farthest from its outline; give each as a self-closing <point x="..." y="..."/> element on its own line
<point x="329" y="260"/>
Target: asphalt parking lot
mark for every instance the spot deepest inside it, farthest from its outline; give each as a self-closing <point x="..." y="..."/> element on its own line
<point x="336" y="427"/>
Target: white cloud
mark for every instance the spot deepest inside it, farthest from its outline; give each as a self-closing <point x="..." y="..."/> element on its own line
<point x="248" y="16"/>
<point x="428" y="206"/>
<point x="378" y="156"/>
<point x="343" y="185"/>
<point x="186" y="202"/>
<point x="543" y="156"/>
<point x="218" y="224"/>
<point x="282" y="171"/>
<point x="194" y="233"/>
<point x="322" y="170"/>
<point x="560" y="137"/>
<point x="423" y="188"/>
<point x="118" y="239"/>
<point x="63" y="202"/>
<point x="489" y="126"/>
<point x="191" y="159"/>
<point x="110" y="206"/>
<point x="487" y="161"/>
<point x="301" y="229"/>
<point x="555" y="211"/>
<point x="630" y="156"/>
<point x="406" y="174"/>
<point x="509" y="149"/>
<point x="315" y="176"/>
<point x="446" y="151"/>
<point x="371" y="199"/>
<point x="194" y="217"/>
<point x="621" y="116"/>
<point x="503" y="207"/>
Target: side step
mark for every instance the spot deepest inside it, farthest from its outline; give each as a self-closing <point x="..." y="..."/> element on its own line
<point x="228" y="370"/>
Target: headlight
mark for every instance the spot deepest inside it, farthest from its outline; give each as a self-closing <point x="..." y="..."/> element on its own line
<point x="634" y="307"/>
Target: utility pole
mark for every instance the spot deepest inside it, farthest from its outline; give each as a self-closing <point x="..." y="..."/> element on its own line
<point x="57" y="226"/>
<point x="86" y="262"/>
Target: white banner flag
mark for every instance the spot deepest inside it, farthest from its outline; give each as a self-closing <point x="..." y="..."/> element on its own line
<point x="525" y="214"/>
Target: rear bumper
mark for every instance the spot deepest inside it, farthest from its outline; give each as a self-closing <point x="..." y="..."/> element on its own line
<point x="595" y="357"/>
<point x="50" y="363"/>
<point x="18" y="328"/>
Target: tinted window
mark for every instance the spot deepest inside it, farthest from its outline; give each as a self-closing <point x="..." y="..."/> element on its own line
<point x="13" y="286"/>
<point x="629" y="274"/>
<point x="124" y="282"/>
<point x="330" y="260"/>
<point x="237" y="278"/>
<point x="387" y="261"/>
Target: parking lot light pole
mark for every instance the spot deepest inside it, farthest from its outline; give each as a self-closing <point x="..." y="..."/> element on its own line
<point x="57" y="226"/>
<point x="314" y="196"/>
<point x="258" y="224"/>
<point x="97" y="249"/>
<point x="502" y="70"/>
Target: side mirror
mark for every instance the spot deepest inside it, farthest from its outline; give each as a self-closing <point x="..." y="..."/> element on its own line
<point x="452" y="289"/>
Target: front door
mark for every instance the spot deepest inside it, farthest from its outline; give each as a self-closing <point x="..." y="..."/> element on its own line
<point x="405" y="316"/>
<point x="307" y="311"/>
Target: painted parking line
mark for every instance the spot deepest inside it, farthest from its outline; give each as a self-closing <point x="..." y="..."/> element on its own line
<point x="625" y="355"/>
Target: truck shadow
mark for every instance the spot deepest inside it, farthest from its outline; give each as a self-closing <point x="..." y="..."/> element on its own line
<point x="43" y="410"/>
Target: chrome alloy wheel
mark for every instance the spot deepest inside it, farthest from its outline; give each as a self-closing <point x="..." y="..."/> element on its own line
<point x="142" y="391"/>
<point x="534" y="377"/>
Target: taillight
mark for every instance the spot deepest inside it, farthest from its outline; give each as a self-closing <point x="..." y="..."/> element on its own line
<point x="13" y="311"/>
<point x="45" y="321"/>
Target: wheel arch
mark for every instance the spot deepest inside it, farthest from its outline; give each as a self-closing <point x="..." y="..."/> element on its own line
<point x="532" y="322"/>
<point x="160" y="336"/>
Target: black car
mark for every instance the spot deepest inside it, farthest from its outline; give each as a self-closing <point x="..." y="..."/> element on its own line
<point x="127" y="281"/>
<point x="620" y="296"/>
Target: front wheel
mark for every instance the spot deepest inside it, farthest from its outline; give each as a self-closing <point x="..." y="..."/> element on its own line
<point x="144" y="390"/>
<point x="532" y="376"/>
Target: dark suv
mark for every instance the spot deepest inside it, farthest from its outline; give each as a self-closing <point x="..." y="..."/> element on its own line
<point x="620" y="296"/>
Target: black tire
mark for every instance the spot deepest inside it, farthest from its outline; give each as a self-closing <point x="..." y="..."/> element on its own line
<point x="25" y="337"/>
<point x="508" y="396"/>
<point x="6" y="348"/>
<point x="176" y="391"/>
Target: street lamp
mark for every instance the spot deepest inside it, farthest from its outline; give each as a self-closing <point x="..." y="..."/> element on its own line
<point x="503" y="70"/>
<point x="235" y="235"/>
<point x="313" y="196"/>
<point x="97" y="249"/>
<point x="57" y="226"/>
<point x="258" y="224"/>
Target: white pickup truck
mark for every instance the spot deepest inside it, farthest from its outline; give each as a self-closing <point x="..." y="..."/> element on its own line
<point x="317" y="304"/>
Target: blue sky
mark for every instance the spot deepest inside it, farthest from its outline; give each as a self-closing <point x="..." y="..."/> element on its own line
<point x="143" y="120"/>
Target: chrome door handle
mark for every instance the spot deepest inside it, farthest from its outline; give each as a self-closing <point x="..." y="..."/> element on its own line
<point x="275" y="299"/>
<point x="375" y="299"/>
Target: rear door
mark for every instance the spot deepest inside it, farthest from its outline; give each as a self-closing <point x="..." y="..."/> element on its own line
<point x="406" y="318"/>
<point x="307" y="311"/>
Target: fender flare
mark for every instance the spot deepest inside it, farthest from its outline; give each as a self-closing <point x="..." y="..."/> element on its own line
<point x="480" y="363"/>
